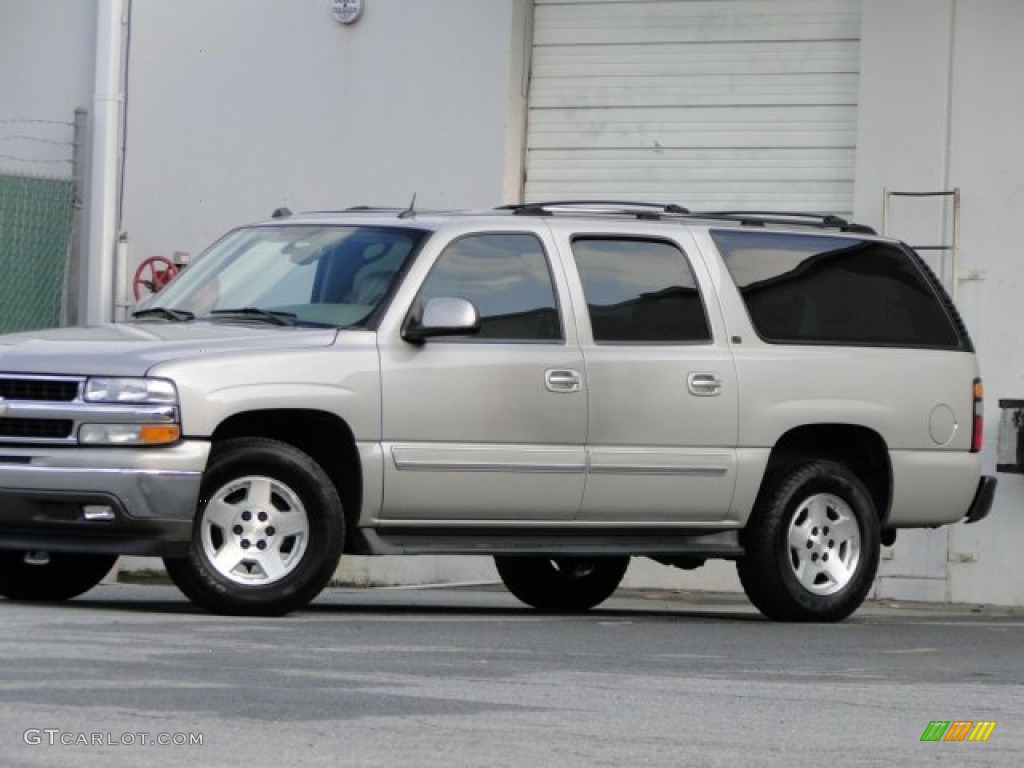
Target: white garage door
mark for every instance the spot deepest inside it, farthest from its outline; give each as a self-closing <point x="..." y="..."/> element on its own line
<point x="712" y="104"/>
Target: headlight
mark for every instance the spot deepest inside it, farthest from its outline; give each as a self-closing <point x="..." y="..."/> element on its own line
<point x="129" y="390"/>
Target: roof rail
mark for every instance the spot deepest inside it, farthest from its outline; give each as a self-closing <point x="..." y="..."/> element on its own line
<point x="760" y="218"/>
<point x="640" y="209"/>
<point x="353" y="209"/>
<point x="646" y="210"/>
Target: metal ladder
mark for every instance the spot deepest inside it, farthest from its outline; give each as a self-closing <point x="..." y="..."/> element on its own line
<point x="952" y="248"/>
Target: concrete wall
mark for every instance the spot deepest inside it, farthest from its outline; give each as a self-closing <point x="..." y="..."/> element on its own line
<point x="240" y="106"/>
<point x="46" y="72"/>
<point x="941" y="106"/>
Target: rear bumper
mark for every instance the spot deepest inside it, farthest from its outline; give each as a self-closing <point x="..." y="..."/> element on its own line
<point x="932" y="488"/>
<point x="148" y="496"/>
<point x="983" y="499"/>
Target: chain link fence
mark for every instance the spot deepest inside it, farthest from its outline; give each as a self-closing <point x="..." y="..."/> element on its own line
<point x="35" y="229"/>
<point x="36" y="221"/>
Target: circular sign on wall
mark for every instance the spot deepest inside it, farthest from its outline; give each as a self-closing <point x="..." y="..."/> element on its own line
<point x="347" y="11"/>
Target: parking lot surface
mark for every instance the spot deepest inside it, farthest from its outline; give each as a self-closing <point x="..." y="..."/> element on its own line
<point x="133" y="675"/>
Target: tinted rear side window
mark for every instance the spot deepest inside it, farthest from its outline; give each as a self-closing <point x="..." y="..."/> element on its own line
<point x="640" y="291"/>
<point x="834" y="290"/>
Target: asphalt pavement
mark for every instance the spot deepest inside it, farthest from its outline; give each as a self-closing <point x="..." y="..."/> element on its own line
<point x="131" y="675"/>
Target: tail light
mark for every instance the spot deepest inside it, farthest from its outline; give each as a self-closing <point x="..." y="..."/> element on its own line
<point x="978" y="422"/>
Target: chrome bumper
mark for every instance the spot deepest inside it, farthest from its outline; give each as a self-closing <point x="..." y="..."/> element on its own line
<point x="150" y="495"/>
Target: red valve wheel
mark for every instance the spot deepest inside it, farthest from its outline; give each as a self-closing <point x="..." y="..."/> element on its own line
<point x="152" y="275"/>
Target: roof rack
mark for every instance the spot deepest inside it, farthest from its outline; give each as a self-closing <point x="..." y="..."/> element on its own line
<point x="354" y="209"/>
<point x="760" y="218"/>
<point x="640" y="209"/>
<point x="656" y="211"/>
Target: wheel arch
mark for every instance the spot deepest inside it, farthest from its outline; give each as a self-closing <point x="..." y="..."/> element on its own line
<point x="862" y="449"/>
<point x="324" y="436"/>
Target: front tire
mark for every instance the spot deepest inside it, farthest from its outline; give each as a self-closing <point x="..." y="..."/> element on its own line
<point x="562" y="584"/>
<point x="51" y="576"/>
<point x="268" y="533"/>
<point x="812" y="545"/>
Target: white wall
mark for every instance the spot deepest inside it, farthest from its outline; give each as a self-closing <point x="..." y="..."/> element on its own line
<point x="46" y="72"/>
<point x="941" y="106"/>
<point x="236" y="107"/>
<point x="988" y="163"/>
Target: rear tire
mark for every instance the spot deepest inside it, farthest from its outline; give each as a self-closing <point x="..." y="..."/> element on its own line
<point x="812" y="545"/>
<point x="562" y="584"/>
<point x="51" y="576"/>
<point x="268" y="534"/>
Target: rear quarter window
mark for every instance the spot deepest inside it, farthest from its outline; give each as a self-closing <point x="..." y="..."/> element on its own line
<point x="809" y="289"/>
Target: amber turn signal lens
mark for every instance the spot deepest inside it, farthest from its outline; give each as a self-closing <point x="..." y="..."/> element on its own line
<point x="159" y="433"/>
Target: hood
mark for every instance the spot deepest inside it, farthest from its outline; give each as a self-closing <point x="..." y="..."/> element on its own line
<point x="132" y="349"/>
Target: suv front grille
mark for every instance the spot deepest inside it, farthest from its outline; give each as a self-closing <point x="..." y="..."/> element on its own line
<point x="38" y="408"/>
<point x="52" y="390"/>
<point x="54" y="429"/>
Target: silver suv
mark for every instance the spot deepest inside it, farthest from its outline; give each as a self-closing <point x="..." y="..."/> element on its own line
<point x="562" y="386"/>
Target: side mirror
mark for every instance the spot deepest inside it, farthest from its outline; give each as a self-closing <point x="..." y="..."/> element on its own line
<point x="443" y="317"/>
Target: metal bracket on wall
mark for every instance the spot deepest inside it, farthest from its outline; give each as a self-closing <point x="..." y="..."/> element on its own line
<point x="952" y="247"/>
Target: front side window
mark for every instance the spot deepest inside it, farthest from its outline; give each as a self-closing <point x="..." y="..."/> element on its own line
<point x="506" y="276"/>
<point x="813" y="289"/>
<point x="320" y="275"/>
<point x="640" y="291"/>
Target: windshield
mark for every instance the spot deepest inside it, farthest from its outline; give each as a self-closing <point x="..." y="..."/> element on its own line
<point x="318" y="275"/>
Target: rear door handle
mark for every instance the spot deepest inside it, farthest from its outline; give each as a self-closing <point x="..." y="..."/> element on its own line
<point x="704" y="384"/>
<point x="563" y="380"/>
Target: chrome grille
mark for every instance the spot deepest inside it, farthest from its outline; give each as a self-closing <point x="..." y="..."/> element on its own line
<point x="37" y="408"/>
<point x="38" y="389"/>
<point x="53" y="429"/>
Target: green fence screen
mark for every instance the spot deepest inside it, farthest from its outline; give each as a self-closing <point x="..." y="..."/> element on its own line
<point x="35" y="227"/>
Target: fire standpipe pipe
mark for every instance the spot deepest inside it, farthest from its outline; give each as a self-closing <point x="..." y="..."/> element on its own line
<point x="103" y="189"/>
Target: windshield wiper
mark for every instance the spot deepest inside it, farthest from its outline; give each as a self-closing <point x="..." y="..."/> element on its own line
<point x="178" y="315"/>
<point x="268" y="315"/>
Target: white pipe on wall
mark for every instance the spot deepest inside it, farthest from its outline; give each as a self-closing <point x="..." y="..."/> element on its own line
<point x="121" y="279"/>
<point x="103" y="189"/>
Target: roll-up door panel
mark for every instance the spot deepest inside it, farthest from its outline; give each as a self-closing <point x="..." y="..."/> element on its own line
<point x="709" y="103"/>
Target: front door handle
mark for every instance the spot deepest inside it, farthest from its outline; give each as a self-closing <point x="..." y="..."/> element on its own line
<point x="563" y="381"/>
<point x="704" y="384"/>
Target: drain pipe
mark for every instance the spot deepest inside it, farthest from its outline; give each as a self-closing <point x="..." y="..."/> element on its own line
<point x="103" y="189"/>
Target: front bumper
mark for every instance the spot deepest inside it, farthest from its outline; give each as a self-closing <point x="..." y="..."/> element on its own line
<point x="151" y="494"/>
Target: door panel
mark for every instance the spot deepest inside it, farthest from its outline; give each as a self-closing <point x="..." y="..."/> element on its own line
<point x="471" y="432"/>
<point x="662" y="404"/>
<point x="657" y="451"/>
<point x="491" y="427"/>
